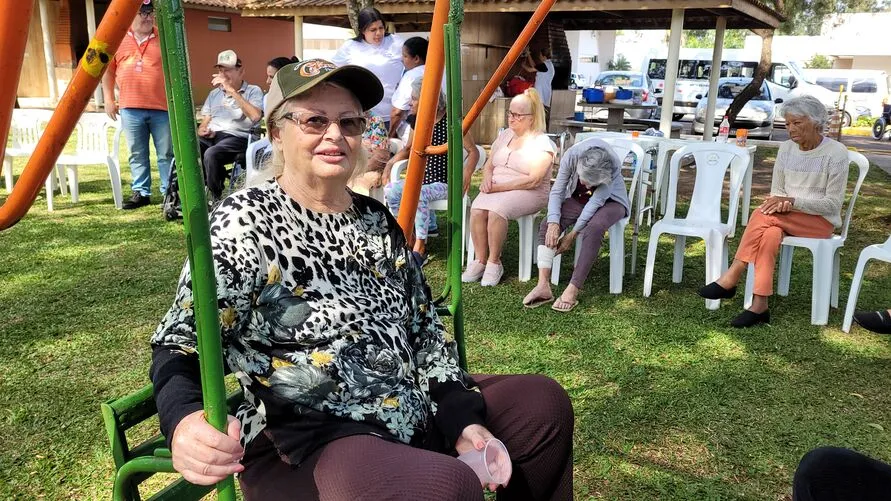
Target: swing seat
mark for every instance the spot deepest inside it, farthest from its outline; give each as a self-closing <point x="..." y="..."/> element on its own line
<point x="134" y="465"/>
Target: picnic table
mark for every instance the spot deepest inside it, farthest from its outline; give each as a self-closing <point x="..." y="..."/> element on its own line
<point x="616" y="112"/>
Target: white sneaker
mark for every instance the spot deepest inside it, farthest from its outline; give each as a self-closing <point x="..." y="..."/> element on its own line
<point x="474" y="271"/>
<point x="492" y="275"/>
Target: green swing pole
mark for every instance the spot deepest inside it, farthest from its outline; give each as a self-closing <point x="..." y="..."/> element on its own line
<point x="455" y="177"/>
<point x="195" y="221"/>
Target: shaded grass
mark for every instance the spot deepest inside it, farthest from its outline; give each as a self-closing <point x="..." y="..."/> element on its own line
<point x="670" y="402"/>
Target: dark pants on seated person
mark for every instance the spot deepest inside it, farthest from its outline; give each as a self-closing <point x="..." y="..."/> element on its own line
<point x="216" y="153"/>
<point x="531" y="414"/>
<point x="836" y="474"/>
<point x="603" y="218"/>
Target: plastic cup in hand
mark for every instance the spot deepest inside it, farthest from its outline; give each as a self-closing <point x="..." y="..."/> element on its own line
<point x="491" y="464"/>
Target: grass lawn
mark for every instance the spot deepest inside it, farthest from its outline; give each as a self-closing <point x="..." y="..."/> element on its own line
<point x="671" y="403"/>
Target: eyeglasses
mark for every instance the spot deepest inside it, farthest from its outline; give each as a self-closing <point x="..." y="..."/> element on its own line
<point x="516" y="116"/>
<point x="147" y="14"/>
<point x="318" y="124"/>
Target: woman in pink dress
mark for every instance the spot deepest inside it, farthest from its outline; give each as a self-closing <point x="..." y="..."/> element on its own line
<point x="516" y="183"/>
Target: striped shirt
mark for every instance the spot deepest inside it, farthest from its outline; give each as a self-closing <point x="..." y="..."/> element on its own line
<point x="816" y="179"/>
<point x="139" y="74"/>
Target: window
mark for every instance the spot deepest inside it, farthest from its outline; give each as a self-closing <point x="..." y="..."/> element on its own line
<point x="865" y="86"/>
<point x="780" y="75"/>
<point x="732" y="89"/>
<point x="656" y="69"/>
<point x="621" y="80"/>
<point x="832" y="83"/>
<point x="219" y="23"/>
<point x="738" y="69"/>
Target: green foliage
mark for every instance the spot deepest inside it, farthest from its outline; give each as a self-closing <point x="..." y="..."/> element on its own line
<point x="620" y="63"/>
<point x="818" y="62"/>
<point x="805" y="17"/>
<point x="864" y="121"/>
<point x="670" y="402"/>
<point x="705" y="39"/>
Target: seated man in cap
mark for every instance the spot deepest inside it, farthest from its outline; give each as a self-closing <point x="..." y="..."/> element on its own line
<point x="228" y="114"/>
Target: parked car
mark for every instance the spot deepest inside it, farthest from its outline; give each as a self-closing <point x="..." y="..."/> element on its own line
<point x="865" y="90"/>
<point x="628" y="80"/>
<point x="577" y="81"/>
<point x="757" y="115"/>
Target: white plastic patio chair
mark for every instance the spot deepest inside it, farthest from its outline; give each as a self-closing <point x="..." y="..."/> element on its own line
<point x="25" y="130"/>
<point x="882" y="252"/>
<point x="826" y="254"/>
<point x="703" y="219"/>
<point x="622" y="147"/>
<point x="442" y="205"/>
<point x="93" y="148"/>
<point x="256" y="161"/>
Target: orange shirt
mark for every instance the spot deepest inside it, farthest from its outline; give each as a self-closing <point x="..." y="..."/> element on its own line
<point x="139" y="73"/>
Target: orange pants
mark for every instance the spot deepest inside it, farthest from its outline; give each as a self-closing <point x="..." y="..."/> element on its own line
<point x="760" y="243"/>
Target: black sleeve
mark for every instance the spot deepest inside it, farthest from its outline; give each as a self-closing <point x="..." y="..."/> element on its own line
<point x="177" y="386"/>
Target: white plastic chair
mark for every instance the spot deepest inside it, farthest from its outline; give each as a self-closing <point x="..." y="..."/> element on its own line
<point x="92" y="149"/>
<point x="443" y="205"/>
<point x="882" y="252"/>
<point x="826" y="254"/>
<point x="622" y="147"/>
<point x="25" y="130"/>
<point x="703" y="218"/>
<point x="255" y="161"/>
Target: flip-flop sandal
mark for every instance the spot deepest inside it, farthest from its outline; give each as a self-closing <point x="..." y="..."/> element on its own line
<point x="535" y="303"/>
<point x="572" y="306"/>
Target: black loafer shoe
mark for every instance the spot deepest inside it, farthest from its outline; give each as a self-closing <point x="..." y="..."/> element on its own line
<point x="875" y="321"/>
<point x="749" y="319"/>
<point x="715" y="291"/>
<point x="136" y="201"/>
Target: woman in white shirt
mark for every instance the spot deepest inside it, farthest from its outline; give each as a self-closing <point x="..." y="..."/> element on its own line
<point x="377" y="51"/>
<point x="414" y="55"/>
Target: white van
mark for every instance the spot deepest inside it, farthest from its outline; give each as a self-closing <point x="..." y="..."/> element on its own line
<point x="865" y="89"/>
<point x="785" y="79"/>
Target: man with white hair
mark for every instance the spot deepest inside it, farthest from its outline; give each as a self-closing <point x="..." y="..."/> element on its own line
<point x="806" y="195"/>
<point x="589" y="195"/>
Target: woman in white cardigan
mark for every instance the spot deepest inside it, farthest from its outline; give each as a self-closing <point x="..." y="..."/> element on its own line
<point x="806" y="195"/>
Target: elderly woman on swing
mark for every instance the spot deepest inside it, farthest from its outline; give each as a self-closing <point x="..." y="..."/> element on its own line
<point x="352" y="386"/>
<point x="590" y="195"/>
<point x="806" y="195"/>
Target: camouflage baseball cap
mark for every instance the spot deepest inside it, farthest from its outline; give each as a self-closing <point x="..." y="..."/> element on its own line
<point x="296" y="78"/>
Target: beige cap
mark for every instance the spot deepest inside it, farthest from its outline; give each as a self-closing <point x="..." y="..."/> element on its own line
<point x="228" y="59"/>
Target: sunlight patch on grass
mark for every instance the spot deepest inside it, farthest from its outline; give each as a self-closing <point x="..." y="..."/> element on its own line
<point x="721" y="346"/>
<point x="863" y="344"/>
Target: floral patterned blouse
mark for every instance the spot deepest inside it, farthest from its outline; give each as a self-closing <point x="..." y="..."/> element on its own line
<point x="326" y="322"/>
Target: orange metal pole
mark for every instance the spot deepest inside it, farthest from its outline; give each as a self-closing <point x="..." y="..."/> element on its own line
<point x="430" y="88"/>
<point x="92" y="65"/>
<point x="507" y="63"/>
<point x="15" y="17"/>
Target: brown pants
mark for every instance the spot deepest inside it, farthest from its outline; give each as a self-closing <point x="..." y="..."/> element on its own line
<point x="531" y="414"/>
<point x="592" y="234"/>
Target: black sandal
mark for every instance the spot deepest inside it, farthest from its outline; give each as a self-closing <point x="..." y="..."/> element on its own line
<point x="749" y="318"/>
<point x="875" y="321"/>
<point x="715" y="291"/>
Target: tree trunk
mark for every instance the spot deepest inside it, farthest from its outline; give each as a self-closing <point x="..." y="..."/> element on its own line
<point x="353" y="8"/>
<point x="754" y="87"/>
